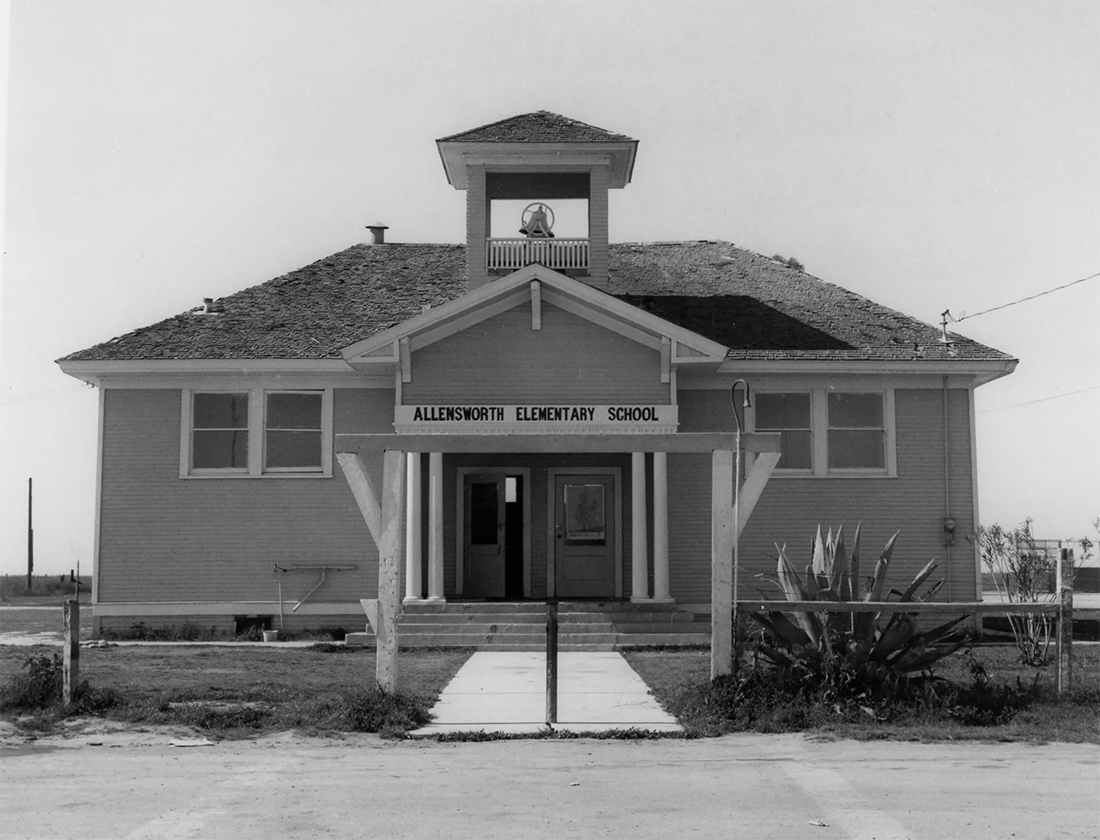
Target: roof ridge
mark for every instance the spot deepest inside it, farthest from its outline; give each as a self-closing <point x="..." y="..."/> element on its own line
<point x="560" y="120"/>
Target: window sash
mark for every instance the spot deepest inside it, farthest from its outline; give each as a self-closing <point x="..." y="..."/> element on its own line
<point x="790" y="414"/>
<point x="219" y="431"/>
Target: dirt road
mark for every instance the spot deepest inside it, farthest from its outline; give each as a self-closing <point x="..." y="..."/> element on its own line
<point x="134" y="785"/>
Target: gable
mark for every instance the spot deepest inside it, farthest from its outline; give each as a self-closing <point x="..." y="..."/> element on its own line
<point x="568" y="359"/>
<point x="534" y="288"/>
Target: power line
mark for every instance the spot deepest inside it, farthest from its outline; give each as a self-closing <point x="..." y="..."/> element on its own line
<point x="964" y="316"/>
<point x="41" y="394"/>
<point x="1041" y="399"/>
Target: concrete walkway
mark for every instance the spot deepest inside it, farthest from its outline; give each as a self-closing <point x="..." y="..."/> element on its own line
<point x="506" y="692"/>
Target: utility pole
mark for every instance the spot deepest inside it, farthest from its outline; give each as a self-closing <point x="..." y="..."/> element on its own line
<point x="30" y="532"/>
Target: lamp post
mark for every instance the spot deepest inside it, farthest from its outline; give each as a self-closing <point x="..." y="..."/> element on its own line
<point x="737" y="513"/>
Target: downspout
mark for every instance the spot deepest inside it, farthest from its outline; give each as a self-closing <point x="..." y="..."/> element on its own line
<point x="947" y="486"/>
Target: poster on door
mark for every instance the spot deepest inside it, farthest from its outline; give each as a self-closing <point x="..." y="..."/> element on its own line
<point x="584" y="512"/>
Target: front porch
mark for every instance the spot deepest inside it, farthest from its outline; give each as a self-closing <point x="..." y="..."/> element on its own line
<point x="382" y="511"/>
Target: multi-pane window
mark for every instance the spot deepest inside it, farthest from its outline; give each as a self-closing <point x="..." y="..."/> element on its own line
<point x="827" y="432"/>
<point x="219" y="433"/>
<point x="857" y="431"/>
<point x="256" y="432"/>
<point x="292" y="431"/>
<point x="790" y="415"/>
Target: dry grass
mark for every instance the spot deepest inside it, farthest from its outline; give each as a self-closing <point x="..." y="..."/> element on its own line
<point x="243" y="691"/>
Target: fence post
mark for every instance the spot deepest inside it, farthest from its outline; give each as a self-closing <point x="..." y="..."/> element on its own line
<point x="71" y="641"/>
<point x="551" y="663"/>
<point x="1064" y="641"/>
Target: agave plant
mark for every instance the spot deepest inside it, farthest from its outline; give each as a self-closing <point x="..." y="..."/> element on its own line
<point x="857" y="645"/>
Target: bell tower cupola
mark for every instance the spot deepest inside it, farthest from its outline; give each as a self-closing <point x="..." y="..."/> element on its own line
<point x="536" y="192"/>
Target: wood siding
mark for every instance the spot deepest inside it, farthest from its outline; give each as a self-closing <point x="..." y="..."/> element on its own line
<point x="790" y="509"/>
<point x="570" y="360"/>
<point x="164" y="538"/>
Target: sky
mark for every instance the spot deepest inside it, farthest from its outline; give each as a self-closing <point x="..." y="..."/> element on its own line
<point x="930" y="156"/>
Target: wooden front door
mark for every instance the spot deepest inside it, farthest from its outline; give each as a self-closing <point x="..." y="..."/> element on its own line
<point x="584" y="536"/>
<point x="485" y="532"/>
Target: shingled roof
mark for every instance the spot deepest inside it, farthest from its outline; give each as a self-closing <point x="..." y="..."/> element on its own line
<point x="537" y="127"/>
<point x="757" y="307"/>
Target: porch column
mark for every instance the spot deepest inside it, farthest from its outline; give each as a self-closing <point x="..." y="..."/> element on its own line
<point x="639" y="548"/>
<point x="660" y="527"/>
<point x="414" y="589"/>
<point x="435" y="526"/>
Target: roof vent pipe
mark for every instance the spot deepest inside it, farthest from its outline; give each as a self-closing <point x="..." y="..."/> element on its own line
<point x="377" y="233"/>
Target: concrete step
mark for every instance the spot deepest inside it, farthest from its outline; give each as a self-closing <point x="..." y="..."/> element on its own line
<point x="492" y="641"/>
<point x="672" y="627"/>
<point x="677" y="617"/>
<point x="627" y="640"/>
<point x="418" y="617"/>
<point x="476" y="607"/>
<point x="582" y="625"/>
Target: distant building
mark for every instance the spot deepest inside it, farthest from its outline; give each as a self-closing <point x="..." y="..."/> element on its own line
<point x="218" y="426"/>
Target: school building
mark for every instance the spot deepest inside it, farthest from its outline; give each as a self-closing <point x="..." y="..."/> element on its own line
<point x="230" y="471"/>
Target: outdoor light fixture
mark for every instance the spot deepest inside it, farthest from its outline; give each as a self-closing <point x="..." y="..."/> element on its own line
<point x="948" y="530"/>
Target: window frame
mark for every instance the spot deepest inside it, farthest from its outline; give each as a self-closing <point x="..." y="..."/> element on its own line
<point x="257" y="435"/>
<point x="819" y="433"/>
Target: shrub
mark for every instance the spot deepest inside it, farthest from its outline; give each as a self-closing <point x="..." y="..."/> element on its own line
<point x="37" y="686"/>
<point x="1023" y="573"/>
<point x="851" y="654"/>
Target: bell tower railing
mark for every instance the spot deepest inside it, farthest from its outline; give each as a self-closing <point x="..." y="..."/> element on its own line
<point x="510" y="254"/>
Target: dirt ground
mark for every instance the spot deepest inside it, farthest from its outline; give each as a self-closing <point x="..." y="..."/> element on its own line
<point x="100" y="781"/>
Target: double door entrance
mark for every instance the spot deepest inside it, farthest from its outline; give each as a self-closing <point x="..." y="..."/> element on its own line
<point x="581" y="534"/>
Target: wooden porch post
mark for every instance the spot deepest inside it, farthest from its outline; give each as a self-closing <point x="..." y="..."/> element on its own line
<point x="389" y="549"/>
<point x="721" y="563"/>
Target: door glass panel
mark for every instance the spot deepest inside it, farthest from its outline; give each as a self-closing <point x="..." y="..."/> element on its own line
<point x="585" y="515"/>
<point x="483" y="513"/>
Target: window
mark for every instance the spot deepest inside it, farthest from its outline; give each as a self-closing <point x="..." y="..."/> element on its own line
<point x="256" y="433"/>
<point x="292" y="433"/>
<point x="827" y="432"/>
<point x="219" y="435"/>
<point x="857" y="432"/>
<point x="788" y="414"/>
